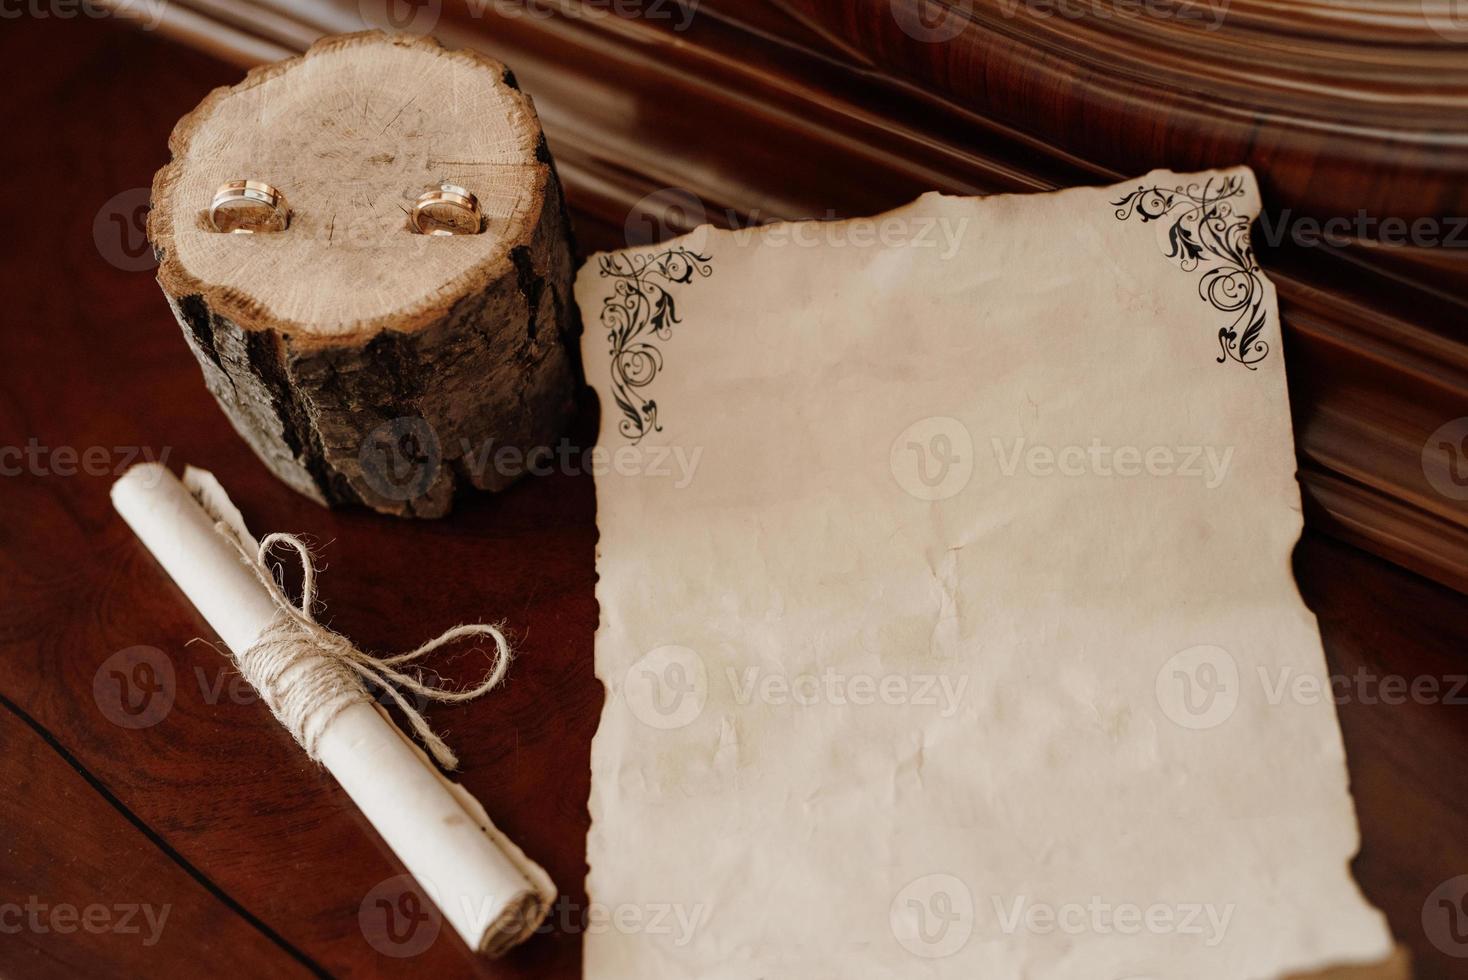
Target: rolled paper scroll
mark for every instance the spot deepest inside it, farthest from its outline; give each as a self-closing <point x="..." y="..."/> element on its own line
<point x="485" y="886"/>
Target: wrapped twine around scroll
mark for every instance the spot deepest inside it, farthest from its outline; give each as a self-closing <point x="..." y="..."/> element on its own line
<point x="307" y="674"/>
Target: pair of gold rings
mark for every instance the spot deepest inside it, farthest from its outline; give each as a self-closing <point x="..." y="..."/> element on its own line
<point x="245" y="207"/>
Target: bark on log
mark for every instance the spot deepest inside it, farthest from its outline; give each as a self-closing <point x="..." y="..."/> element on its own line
<point x="363" y="362"/>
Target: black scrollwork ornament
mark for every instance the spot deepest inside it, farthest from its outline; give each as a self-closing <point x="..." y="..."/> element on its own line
<point x="1204" y="232"/>
<point x="639" y="311"/>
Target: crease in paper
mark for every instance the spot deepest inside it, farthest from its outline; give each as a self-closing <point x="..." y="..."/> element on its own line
<point x="954" y="636"/>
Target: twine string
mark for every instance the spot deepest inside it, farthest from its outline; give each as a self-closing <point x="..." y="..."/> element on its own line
<point x="308" y="673"/>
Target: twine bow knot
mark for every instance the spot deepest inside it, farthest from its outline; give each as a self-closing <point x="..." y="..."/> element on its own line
<point x="308" y="673"/>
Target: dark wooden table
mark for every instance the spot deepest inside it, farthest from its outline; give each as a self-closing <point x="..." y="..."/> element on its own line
<point x="199" y="804"/>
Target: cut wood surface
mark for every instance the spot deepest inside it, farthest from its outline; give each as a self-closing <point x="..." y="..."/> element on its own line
<point x="361" y="361"/>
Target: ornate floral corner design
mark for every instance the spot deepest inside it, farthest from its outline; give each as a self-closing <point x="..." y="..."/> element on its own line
<point x="1205" y="230"/>
<point x="639" y="309"/>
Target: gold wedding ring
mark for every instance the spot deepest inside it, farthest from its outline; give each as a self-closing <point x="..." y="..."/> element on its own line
<point x="243" y="207"/>
<point x="446" y="210"/>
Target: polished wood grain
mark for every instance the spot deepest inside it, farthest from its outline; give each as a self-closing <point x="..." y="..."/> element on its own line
<point x="211" y="808"/>
<point x="120" y="901"/>
<point x="764" y="109"/>
<point x="219" y="785"/>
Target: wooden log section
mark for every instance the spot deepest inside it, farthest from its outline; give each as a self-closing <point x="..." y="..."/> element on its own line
<point x="365" y="363"/>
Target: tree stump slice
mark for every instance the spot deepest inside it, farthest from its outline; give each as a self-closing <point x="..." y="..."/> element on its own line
<point x="362" y="362"/>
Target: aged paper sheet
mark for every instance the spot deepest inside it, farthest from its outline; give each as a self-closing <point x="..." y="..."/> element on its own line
<point x="947" y="619"/>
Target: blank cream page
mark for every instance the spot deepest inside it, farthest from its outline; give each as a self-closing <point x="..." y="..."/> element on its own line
<point x="947" y="620"/>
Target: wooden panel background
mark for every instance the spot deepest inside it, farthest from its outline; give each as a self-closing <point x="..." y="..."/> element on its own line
<point x="212" y="810"/>
<point x="751" y="110"/>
